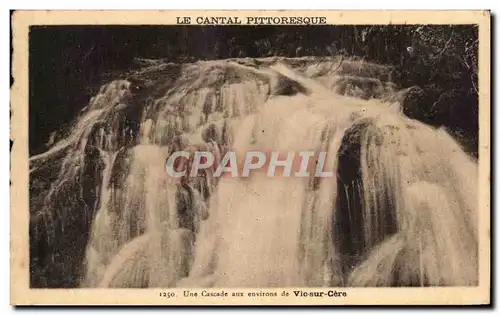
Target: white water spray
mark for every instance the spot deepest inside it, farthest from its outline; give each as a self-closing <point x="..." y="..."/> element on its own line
<point x="401" y="209"/>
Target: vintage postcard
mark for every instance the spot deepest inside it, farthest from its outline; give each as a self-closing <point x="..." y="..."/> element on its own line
<point x="250" y="158"/>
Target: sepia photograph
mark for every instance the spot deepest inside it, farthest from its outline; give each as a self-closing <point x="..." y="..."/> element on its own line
<point x="251" y="156"/>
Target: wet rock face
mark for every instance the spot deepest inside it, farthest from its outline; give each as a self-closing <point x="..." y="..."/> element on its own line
<point x="59" y="230"/>
<point x="65" y="191"/>
<point x="350" y="225"/>
<point x="287" y="87"/>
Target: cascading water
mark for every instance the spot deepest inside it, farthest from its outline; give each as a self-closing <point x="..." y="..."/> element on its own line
<point x="401" y="209"/>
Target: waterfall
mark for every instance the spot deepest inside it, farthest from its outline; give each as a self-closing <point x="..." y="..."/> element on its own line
<point x="400" y="210"/>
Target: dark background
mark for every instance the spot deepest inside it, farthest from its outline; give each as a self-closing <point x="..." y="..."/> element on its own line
<point x="69" y="63"/>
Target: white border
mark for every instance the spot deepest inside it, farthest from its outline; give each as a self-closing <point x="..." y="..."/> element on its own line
<point x="254" y="4"/>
